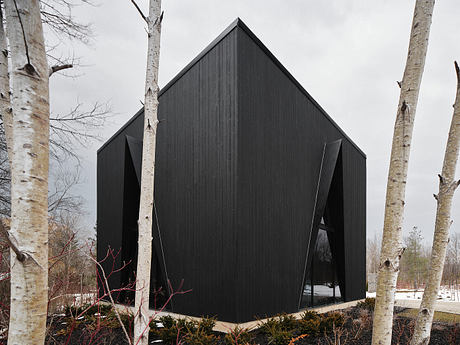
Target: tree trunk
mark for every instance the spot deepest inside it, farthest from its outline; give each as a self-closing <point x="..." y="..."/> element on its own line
<point x="29" y="223"/>
<point x="392" y="248"/>
<point x="5" y="104"/>
<point x="447" y="187"/>
<point x="144" y="256"/>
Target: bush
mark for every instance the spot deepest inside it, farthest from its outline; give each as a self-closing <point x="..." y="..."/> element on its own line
<point x="186" y="326"/>
<point x="310" y="315"/>
<point x="368" y="304"/>
<point x="281" y="322"/>
<point x="170" y="336"/>
<point x="206" y="324"/>
<point x="128" y="320"/>
<point x="175" y="330"/>
<point x="268" y="325"/>
<point x="280" y="337"/>
<point x="287" y="322"/>
<point x="238" y="336"/>
<point x="73" y="311"/>
<point x="279" y="329"/>
<point x="167" y="321"/>
<point x="311" y="326"/>
<point x="200" y="337"/>
<point x="329" y="320"/>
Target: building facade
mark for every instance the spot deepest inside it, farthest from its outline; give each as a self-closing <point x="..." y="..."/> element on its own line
<point x="260" y="198"/>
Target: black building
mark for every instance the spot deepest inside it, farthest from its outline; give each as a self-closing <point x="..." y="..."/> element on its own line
<point x="260" y="198"/>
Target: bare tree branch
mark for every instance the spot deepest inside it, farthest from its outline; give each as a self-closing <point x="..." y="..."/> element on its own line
<point x="57" y="68"/>
<point x="20" y="255"/>
<point x="57" y="16"/>
<point x="140" y="12"/>
<point x="114" y="307"/>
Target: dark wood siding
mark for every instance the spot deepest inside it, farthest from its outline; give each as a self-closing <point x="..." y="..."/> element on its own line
<point x="239" y="152"/>
<point x="281" y="135"/>
<point x="194" y="182"/>
<point x="354" y="172"/>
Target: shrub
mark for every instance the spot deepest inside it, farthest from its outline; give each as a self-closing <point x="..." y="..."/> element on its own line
<point x="171" y="335"/>
<point x="268" y="325"/>
<point x="206" y="324"/>
<point x="281" y="322"/>
<point x="311" y="326"/>
<point x="187" y="326"/>
<point x="280" y="337"/>
<point x="279" y="329"/>
<point x="310" y="315"/>
<point x="288" y="322"/>
<point x="167" y="321"/>
<point x="200" y="337"/>
<point x="368" y="304"/>
<point x="238" y="336"/>
<point x="175" y="330"/>
<point x="329" y="320"/>
<point x="128" y="320"/>
<point x="104" y="309"/>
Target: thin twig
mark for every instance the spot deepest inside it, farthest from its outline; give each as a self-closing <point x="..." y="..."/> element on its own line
<point x="140" y="12"/>
<point x="111" y="299"/>
<point x="20" y="255"/>
<point x="457" y="70"/>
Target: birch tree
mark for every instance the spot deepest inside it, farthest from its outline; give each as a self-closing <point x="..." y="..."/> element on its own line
<point x="447" y="187"/>
<point x="5" y="104"/>
<point x="7" y="117"/>
<point x="144" y="256"/>
<point x="30" y="163"/>
<point x="392" y="247"/>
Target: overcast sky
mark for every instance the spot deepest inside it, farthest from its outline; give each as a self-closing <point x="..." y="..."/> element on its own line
<point x="348" y="54"/>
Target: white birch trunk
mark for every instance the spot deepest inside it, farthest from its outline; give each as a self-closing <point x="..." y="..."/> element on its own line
<point x="29" y="223"/>
<point x="392" y="247"/>
<point x="447" y="187"/>
<point x="144" y="256"/>
<point x="5" y="103"/>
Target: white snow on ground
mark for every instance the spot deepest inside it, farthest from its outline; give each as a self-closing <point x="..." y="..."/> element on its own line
<point x="445" y="294"/>
<point x="321" y="290"/>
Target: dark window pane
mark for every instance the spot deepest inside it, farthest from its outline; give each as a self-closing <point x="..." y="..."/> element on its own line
<point x="321" y="285"/>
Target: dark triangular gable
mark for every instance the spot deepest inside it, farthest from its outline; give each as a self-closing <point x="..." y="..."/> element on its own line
<point x="329" y="206"/>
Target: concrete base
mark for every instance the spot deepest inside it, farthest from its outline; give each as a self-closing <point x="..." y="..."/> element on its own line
<point x="226" y="327"/>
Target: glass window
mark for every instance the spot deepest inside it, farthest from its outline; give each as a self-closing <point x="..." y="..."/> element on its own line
<point x="321" y="285"/>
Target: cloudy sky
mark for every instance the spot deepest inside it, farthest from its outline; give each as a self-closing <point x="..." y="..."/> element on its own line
<point x="348" y="54"/>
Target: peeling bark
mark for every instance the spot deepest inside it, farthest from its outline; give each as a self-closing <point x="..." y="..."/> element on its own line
<point x="30" y="164"/>
<point x="447" y="187"/>
<point x="392" y="247"/>
<point x="144" y="257"/>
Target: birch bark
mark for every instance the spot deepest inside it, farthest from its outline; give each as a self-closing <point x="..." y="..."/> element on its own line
<point x="5" y="103"/>
<point x="29" y="223"/>
<point x="392" y="247"/>
<point x="144" y="256"/>
<point x="447" y="187"/>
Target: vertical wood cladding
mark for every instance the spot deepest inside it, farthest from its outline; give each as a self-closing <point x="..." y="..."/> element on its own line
<point x="239" y="150"/>
<point x="195" y="182"/>
<point x="281" y="134"/>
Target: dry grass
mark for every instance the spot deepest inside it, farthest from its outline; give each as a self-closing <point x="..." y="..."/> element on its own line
<point x="438" y="316"/>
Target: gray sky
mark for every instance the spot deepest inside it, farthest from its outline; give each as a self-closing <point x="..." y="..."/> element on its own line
<point x="348" y="54"/>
